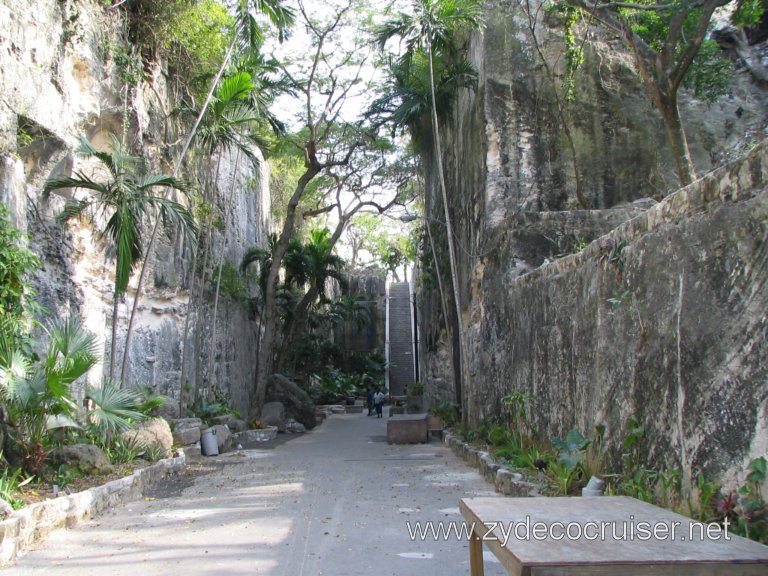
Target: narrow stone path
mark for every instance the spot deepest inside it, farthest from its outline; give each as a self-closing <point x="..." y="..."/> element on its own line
<point x="337" y="502"/>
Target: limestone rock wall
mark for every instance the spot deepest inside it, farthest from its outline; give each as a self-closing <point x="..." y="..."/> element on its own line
<point x="60" y="82"/>
<point x="675" y="338"/>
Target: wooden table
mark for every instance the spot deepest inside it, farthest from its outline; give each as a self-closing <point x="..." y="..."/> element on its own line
<point x="610" y="535"/>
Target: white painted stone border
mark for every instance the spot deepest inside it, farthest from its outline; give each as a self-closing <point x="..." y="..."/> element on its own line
<point x="31" y="524"/>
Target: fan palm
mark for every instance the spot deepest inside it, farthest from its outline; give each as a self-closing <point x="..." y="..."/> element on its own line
<point x="37" y="394"/>
<point x="126" y="204"/>
<point x="113" y="409"/>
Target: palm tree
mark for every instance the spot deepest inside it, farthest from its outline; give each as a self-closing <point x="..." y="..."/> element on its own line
<point x="317" y="265"/>
<point x="431" y="28"/>
<point x="125" y="203"/>
<point x="36" y="394"/>
<point x="228" y="123"/>
<point x="407" y="99"/>
<point x="247" y="35"/>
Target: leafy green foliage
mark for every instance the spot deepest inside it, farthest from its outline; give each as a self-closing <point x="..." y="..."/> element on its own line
<point x="113" y="409"/>
<point x="232" y="283"/>
<point x="37" y="393"/>
<point x="747" y="511"/>
<point x="124" y="201"/>
<point x="748" y="13"/>
<point x="447" y="412"/>
<point x="205" y="410"/>
<point x="429" y="63"/>
<point x="121" y="451"/>
<point x="710" y="75"/>
<point x="571" y="448"/>
<point x="17" y="263"/>
<point x="10" y="482"/>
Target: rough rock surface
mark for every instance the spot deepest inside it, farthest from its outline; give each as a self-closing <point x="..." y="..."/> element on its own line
<point x="273" y="414"/>
<point x="223" y="437"/>
<point x="298" y="404"/>
<point x="86" y="458"/>
<point x="59" y="83"/>
<point x="151" y="432"/>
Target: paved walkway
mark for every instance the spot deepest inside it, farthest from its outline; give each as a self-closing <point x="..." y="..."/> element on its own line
<point x="336" y="502"/>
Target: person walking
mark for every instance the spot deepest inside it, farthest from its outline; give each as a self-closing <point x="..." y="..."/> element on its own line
<point x="378" y="401"/>
<point x="369" y="401"/>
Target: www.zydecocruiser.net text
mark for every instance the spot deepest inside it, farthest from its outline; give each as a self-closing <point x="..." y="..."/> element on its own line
<point x="629" y="530"/>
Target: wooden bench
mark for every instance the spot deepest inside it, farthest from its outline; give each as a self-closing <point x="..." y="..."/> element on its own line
<point x="407" y="429"/>
<point x="602" y="536"/>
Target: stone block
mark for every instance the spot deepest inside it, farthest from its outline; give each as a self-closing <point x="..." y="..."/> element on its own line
<point x="186" y="436"/>
<point x="407" y="429"/>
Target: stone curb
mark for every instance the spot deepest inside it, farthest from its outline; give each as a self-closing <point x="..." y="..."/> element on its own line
<point x="31" y="524"/>
<point x="505" y="481"/>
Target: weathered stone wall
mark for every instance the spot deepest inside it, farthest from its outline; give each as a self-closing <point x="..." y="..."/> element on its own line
<point x="674" y="332"/>
<point x="59" y="82"/>
<point x="680" y="345"/>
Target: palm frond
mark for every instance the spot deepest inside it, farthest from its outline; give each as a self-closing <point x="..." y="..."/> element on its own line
<point x="80" y="181"/>
<point x="13" y="374"/>
<point x="72" y="352"/>
<point x="113" y="409"/>
<point x="122" y="228"/>
<point x="235" y="87"/>
<point x="150" y="181"/>
<point x="280" y="15"/>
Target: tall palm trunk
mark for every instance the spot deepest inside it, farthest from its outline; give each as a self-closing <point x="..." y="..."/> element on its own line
<point x="113" y="344"/>
<point x="176" y="168"/>
<point x="451" y="251"/>
<point x="227" y="214"/>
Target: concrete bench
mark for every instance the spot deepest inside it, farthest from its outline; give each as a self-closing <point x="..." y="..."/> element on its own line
<point x="407" y="429"/>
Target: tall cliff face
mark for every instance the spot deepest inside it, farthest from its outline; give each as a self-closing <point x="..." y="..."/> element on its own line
<point x="59" y="83"/>
<point x="584" y="343"/>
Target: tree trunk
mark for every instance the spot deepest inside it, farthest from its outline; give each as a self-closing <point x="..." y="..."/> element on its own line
<point x="299" y="319"/>
<point x="266" y="351"/>
<point x="190" y="301"/>
<point x="113" y="345"/>
<point x="156" y="228"/>
<point x="458" y="375"/>
<point x="678" y="143"/>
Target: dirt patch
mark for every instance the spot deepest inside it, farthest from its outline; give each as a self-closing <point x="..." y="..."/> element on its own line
<point x="177" y="481"/>
<point x="45" y="490"/>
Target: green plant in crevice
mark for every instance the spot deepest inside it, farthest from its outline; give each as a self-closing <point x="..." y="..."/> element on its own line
<point x="17" y="264"/>
<point x="612" y="255"/>
<point x="574" y="47"/>
<point x="153" y="453"/>
<point x="746" y="513"/>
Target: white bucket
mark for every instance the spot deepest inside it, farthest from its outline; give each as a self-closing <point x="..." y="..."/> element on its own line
<point x="209" y="446"/>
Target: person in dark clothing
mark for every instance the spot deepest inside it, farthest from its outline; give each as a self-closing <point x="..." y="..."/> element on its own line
<point x="369" y="401"/>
